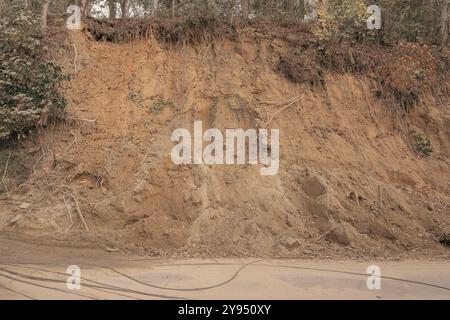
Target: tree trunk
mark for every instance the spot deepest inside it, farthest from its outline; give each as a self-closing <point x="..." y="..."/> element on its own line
<point x="301" y="9"/>
<point x="245" y="7"/>
<point x="45" y="13"/>
<point x="290" y="6"/>
<point x="112" y="8"/>
<point x="124" y="8"/>
<point x="444" y="24"/>
<point x="173" y="9"/>
<point x="83" y="7"/>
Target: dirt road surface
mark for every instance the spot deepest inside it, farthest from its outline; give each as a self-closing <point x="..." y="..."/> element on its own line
<point x="30" y="271"/>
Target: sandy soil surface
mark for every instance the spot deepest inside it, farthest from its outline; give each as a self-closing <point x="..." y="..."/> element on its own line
<point x="29" y="271"/>
<point x="349" y="185"/>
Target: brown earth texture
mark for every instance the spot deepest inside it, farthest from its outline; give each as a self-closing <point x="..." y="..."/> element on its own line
<point x="351" y="183"/>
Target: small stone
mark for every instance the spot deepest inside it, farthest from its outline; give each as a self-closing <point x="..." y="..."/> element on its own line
<point x="229" y="178"/>
<point x="345" y="234"/>
<point x="291" y="243"/>
<point x="289" y="222"/>
<point x="379" y="229"/>
<point x="197" y="197"/>
<point x="314" y="187"/>
<point x="16" y="219"/>
<point x="140" y="188"/>
<point x="138" y="199"/>
<point x="25" y="206"/>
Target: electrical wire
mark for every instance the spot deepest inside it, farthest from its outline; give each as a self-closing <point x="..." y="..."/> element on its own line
<point x="255" y="263"/>
<point x="235" y="275"/>
<point x="84" y="279"/>
<point x="49" y="288"/>
<point x="17" y="292"/>
<point x="101" y="286"/>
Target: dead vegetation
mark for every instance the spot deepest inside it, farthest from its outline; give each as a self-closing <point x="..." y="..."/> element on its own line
<point x="403" y="73"/>
<point x="171" y="31"/>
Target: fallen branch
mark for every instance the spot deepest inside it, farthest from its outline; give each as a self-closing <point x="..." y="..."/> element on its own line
<point x="380" y="195"/>
<point x="75" y="141"/>
<point x="88" y="120"/>
<point x="78" y="210"/>
<point x="278" y="103"/>
<point x="75" y="59"/>
<point x="323" y="235"/>
<point x="206" y="51"/>
<point x="366" y="97"/>
<point x="4" y="172"/>
<point x="69" y="213"/>
<point x="284" y="108"/>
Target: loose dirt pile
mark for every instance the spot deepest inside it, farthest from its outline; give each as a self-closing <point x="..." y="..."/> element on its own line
<point x="351" y="183"/>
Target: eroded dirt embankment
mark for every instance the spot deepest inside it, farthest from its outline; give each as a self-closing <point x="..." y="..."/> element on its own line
<point x="350" y="182"/>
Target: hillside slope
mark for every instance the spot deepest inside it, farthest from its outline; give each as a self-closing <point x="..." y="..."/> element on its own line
<point x="350" y="183"/>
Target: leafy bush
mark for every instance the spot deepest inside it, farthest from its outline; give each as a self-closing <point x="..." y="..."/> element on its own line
<point x="158" y="105"/>
<point x="422" y="144"/>
<point x="341" y="20"/>
<point x="29" y="85"/>
<point x="411" y="20"/>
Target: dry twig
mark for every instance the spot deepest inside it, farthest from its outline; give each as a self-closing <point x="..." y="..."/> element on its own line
<point x="4" y="172"/>
<point x="284" y="108"/>
<point x="75" y="58"/>
<point x="69" y="213"/>
<point x="366" y="98"/>
<point x="380" y="195"/>
<point x="278" y="103"/>
<point x="323" y="235"/>
<point x="80" y="214"/>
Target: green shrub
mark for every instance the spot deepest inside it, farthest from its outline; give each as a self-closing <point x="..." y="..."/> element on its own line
<point x="29" y="84"/>
<point x="422" y="144"/>
<point x="214" y="103"/>
<point x="341" y="20"/>
<point x="411" y="20"/>
<point x="158" y="105"/>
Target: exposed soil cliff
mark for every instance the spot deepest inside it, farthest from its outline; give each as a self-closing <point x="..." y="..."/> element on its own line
<point x="351" y="182"/>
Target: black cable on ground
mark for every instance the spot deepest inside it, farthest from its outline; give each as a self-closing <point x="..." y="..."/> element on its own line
<point x="235" y="275"/>
<point x="110" y="287"/>
<point x="103" y="286"/>
<point x="289" y="267"/>
<point x="254" y="263"/>
<point x="46" y="287"/>
<point x="17" y="292"/>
